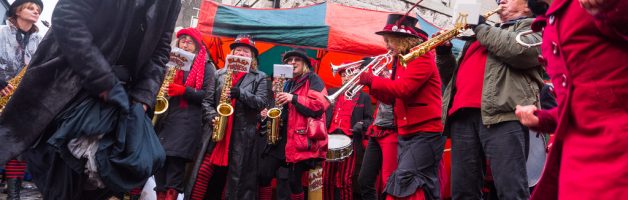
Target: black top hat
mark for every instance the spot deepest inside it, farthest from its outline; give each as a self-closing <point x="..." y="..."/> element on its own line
<point x="13" y="8"/>
<point x="402" y="25"/>
<point x="300" y="53"/>
<point x="245" y="40"/>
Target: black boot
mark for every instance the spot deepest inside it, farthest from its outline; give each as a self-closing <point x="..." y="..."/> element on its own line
<point x="13" y="188"/>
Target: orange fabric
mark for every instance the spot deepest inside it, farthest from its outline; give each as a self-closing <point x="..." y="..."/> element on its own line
<point x="353" y="29"/>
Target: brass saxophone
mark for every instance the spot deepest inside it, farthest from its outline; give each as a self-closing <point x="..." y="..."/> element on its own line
<point x="423" y="48"/>
<point x="275" y="113"/>
<point x="161" y="104"/>
<point x="15" y="81"/>
<point x="224" y="110"/>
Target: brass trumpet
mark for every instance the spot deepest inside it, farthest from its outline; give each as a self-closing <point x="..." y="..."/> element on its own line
<point x="351" y="88"/>
<point x="423" y="48"/>
<point x="522" y="43"/>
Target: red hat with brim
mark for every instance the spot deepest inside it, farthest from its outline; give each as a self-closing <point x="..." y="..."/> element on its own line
<point x="245" y="41"/>
<point x="402" y="25"/>
<point x="194" y="33"/>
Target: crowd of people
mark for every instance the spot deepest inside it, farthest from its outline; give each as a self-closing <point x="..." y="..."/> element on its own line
<point x="80" y="118"/>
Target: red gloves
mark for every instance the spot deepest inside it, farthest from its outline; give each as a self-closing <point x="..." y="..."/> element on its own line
<point x="175" y="90"/>
<point x="366" y="78"/>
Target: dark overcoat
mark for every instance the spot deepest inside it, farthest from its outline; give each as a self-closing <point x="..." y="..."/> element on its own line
<point x="253" y="98"/>
<point x="78" y="55"/>
<point x="180" y="128"/>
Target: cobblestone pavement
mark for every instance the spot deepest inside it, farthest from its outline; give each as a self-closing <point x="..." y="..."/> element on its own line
<point x="29" y="192"/>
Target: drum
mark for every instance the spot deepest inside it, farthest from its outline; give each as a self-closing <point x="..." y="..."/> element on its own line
<point x="338" y="148"/>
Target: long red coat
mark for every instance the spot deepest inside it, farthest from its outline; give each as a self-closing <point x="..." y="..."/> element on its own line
<point x="587" y="60"/>
<point x="416" y="93"/>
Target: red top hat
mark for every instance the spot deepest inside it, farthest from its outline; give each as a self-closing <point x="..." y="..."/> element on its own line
<point x="402" y="25"/>
<point x="244" y="40"/>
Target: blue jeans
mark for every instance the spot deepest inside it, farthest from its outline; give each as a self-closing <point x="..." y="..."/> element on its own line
<point x="504" y="145"/>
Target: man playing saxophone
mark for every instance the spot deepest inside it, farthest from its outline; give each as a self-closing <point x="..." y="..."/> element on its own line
<point x="493" y="74"/>
<point x="235" y="153"/>
<point x="349" y="116"/>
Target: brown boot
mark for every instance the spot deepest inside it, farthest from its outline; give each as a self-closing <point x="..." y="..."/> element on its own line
<point x="172" y="194"/>
<point x="161" y="195"/>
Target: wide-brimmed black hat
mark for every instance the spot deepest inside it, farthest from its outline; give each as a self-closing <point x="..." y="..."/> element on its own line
<point x="247" y="41"/>
<point x="17" y="3"/>
<point x="300" y="53"/>
<point x="402" y="25"/>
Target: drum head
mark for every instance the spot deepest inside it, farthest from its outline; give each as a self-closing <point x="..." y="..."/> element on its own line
<point x="337" y="141"/>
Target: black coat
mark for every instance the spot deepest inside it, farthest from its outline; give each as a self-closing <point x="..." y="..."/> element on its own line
<point x="253" y="98"/>
<point x="87" y="39"/>
<point x="180" y="129"/>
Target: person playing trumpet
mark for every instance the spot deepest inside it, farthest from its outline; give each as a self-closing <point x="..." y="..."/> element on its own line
<point x="494" y="73"/>
<point x="415" y="91"/>
<point x="349" y="117"/>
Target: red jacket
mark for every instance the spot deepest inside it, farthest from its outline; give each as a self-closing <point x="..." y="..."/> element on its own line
<point x="309" y="102"/>
<point x="416" y="93"/>
<point x="587" y="60"/>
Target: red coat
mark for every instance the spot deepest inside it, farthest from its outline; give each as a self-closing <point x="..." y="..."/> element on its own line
<point x="416" y="93"/>
<point x="310" y="96"/>
<point x="587" y="60"/>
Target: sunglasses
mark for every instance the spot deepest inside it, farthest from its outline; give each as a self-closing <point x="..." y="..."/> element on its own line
<point x="293" y="59"/>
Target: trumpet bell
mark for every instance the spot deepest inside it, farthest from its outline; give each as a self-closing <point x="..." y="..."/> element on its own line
<point x="161" y="105"/>
<point x="274" y="113"/>
<point x="224" y="109"/>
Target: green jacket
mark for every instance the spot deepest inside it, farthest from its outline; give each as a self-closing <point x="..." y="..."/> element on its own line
<point x="512" y="75"/>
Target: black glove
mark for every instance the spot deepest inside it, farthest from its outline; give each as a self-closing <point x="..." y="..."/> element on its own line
<point x="358" y="127"/>
<point x="235" y="92"/>
<point x="444" y="49"/>
<point x="117" y="96"/>
<point x="481" y="20"/>
<point x="3" y="84"/>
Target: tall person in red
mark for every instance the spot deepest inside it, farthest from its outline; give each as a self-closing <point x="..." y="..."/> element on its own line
<point x="415" y="91"/>
<point x="350" y="117"/>
<point x="585" y="46"/>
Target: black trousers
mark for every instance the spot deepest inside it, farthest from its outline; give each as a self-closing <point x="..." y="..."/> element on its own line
<point x="271" y="167"/>
<point x="171" y="175"/>
<point x="371" y="166"/>
<point x="504" y="145"/>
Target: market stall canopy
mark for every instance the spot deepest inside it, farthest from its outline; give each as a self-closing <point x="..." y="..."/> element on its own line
<point x="332" y="33"/>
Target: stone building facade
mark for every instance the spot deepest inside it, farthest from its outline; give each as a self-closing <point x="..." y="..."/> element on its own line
<point x="436" y="11"/>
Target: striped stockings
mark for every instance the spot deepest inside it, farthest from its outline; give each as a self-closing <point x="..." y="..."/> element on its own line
<point x="205" y="173"/>
<point x="339" y="175"/>
<point x="15" y="169"/>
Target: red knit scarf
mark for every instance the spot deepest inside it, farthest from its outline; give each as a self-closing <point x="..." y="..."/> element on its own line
<point x="196" y="75"/>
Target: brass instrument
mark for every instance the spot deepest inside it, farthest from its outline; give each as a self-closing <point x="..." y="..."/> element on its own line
<point x="161" y="104"/>
<point x="351" y="88"/>
<point x="224" y="110"/>
<point x="15" y="82"/>
<point x="423" y="48"/>
<point x="522" y="43"/>
<point x="275" y="113"/>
